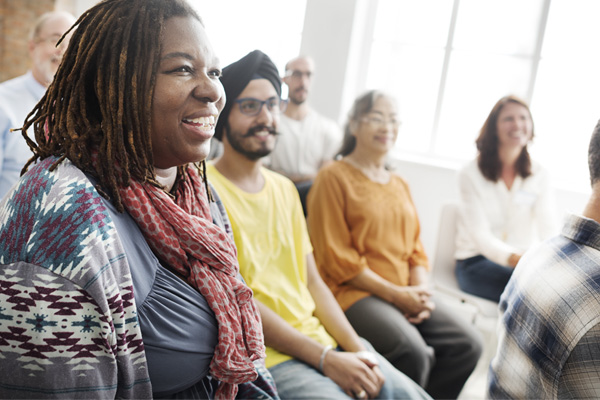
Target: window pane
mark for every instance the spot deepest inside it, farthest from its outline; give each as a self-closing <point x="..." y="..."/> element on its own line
<point x="423" y="22"/>
<point x="406" y="61"/>
<point x="412" y="76"/>
<point x="236" y="27"/>
<point x="565" y="103"/>
<point x="475" y="82"/>
<point x="498" y="26"/>
<point x="573" y="29"/>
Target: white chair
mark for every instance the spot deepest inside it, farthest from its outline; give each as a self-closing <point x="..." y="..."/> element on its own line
<point x="444" y="279"/>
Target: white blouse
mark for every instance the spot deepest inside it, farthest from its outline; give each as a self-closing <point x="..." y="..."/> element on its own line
<point x="495" y="221"/>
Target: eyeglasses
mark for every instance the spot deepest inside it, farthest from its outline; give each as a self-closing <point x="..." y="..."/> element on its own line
<point x="251" y="106"/>
<point x="295" y="74"/>
<point x="379" y="122"/>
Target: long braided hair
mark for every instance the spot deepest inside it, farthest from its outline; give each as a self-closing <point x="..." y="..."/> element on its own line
<point x="97" y="111"/>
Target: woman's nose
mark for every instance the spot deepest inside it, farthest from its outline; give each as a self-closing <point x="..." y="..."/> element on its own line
<point x="209" y="90"/>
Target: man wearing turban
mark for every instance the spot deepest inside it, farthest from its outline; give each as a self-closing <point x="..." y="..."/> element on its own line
<point x="312" y="351"/>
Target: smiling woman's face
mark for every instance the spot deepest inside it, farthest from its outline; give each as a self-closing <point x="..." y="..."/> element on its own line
<point x="514" y="126"/>
<point x="188" y="95"/>
<point x="378" y="129"/>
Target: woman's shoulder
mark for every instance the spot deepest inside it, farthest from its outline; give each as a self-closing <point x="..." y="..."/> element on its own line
<point x="57" y="219"/>
<point x="338" y="168"/>
<point x="469" y="168"/>
<point x="338" y="172"/>
<point x="470" y="172"/>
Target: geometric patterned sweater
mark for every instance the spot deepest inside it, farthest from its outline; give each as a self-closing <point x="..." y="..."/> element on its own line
<point x="68" y="322"/>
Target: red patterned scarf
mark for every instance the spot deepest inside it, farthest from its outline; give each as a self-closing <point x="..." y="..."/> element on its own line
<point x="182" y="234"/>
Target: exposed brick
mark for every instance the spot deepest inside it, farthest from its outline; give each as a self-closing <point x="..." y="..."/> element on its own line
<point x="16" y="18"/>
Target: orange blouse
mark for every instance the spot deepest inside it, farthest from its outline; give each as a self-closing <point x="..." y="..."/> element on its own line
<point x="355" y="223"/>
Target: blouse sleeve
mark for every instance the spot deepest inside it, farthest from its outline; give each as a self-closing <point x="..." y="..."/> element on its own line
<point x="337" y="259"/>
<point x="477" y="225"/>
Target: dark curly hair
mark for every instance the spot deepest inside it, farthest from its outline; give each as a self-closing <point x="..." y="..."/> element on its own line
<point x="97" y="111"/>
<point x="488" y="158"/>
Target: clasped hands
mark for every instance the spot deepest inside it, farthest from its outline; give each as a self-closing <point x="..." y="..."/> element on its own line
<point x="414" y="301"/>
<point x="357" y="373"/>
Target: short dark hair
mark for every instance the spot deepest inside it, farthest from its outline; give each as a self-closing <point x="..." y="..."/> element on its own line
<point x="594" y="155"/>
<point x="488" y="158"/>
<point x="97" y="111"/>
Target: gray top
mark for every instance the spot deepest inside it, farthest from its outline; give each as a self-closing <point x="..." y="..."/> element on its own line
<point x="179" y="330"/>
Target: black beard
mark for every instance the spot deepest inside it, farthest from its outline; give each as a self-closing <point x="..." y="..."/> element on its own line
<point x="252" y="131"/>
<point x="251" y="155"/>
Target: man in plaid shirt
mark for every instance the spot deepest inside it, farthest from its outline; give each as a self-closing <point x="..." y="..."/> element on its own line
<point x="549" y="335"/>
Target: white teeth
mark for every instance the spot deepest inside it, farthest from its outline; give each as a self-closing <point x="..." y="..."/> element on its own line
<point x="204" y="121"/>
<point x="262" y="133"/>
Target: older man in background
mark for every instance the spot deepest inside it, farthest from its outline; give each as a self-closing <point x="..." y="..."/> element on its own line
<point x="307" y="140"/>
<point x="18" y="96"/>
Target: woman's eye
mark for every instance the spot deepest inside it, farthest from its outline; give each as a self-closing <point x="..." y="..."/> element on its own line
<point x="183" y="68"/>
<point x="215" y="73"/>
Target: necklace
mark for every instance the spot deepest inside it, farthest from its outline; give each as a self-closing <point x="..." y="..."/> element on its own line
<point x="377" y="174"/>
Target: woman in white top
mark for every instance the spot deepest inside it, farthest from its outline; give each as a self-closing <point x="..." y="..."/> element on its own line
<point x="507" y="204"/>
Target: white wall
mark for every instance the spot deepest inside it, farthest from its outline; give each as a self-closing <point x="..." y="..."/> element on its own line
<point x="326" y="38"/>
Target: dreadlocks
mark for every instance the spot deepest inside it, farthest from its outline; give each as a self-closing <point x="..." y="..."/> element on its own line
<point x="97" y="111"/>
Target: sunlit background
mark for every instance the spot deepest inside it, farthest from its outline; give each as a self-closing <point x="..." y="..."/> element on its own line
<point x="448" y="62"/>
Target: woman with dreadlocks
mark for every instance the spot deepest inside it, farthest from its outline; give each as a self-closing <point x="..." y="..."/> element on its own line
<point x="118" y="272"/>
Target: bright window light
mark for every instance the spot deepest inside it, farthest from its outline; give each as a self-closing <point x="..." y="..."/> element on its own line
<point x="237" y="27"/>
<point x="448" y="62"/>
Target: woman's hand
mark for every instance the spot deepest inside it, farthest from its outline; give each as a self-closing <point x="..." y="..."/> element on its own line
<point x="413" y="301"/>
<point x="513" y="260"/>
<point x="353" y="374"/>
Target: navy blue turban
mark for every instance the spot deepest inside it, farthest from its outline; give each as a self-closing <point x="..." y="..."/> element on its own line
<point x="236" y="76"/>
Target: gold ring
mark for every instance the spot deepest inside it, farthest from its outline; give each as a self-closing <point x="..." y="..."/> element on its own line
<point x="361" y="395"/>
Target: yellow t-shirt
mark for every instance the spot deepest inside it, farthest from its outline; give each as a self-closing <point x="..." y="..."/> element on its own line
<point x="272" y="242"/>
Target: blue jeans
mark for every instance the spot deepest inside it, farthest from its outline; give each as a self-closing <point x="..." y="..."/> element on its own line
<point x="482" y="277"/>
<point x="298" y="380"/>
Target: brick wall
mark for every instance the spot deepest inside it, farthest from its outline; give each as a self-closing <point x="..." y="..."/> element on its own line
<point x="16" y="18"/>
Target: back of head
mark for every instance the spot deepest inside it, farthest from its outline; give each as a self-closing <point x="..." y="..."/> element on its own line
<point x="487" y="143"/>
<point x="594" y="155"/>
<point x="97" y="111"/>
<point x="361" y="107"/>
<point x="236" y="77"/>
